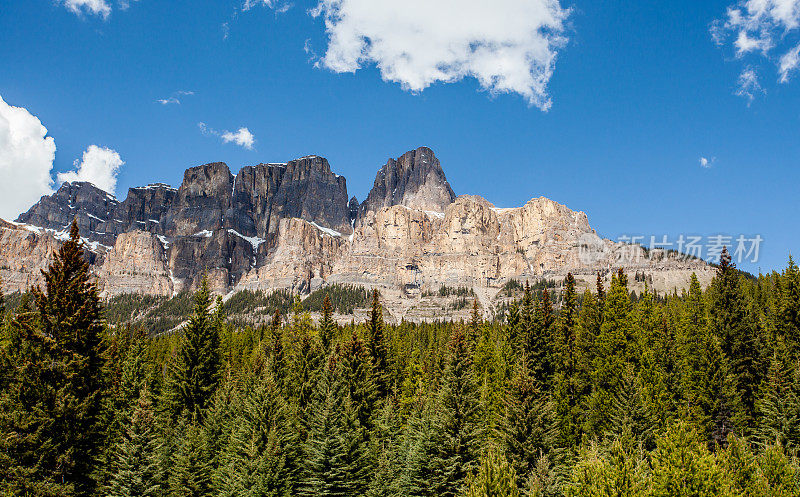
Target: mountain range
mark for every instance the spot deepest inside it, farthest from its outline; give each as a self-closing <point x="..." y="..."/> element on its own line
<point x="292" y="226"/>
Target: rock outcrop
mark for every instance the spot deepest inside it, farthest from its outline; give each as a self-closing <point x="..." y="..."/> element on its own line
<point x="291" y="226"/>
<point x="415" y="179"/>
<point x="90" y="206"/>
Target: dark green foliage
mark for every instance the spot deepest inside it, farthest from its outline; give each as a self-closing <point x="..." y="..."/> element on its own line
<point x="376" y="343"/>
<point x="736" y="332"/>
<point x="604" y="394"/>
<point x="327" y="327"/>
<point x="261" y="456"/>
<point x="344" y="298"/>
<point x="496" y="478"/>
<point x="52" y="397"/>
<point x="458" y="434"/>
<point x="189" y="464"/>
<point x="135" y="464"/>
<point x="449" y="291"/>
<point x="195" y="372"/>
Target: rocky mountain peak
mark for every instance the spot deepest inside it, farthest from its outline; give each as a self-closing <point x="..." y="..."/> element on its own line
<point x="79" y="200"/>
<point x="415" y="179"/>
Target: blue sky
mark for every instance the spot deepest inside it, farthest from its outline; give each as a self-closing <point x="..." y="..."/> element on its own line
<point x="639" y="93"/>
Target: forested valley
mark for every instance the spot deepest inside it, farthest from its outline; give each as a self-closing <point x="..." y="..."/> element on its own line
<point x="596" y="394"/>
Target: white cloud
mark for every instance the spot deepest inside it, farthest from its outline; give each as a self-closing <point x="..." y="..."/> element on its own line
<point x="707" y="163"/>
<point x="99" y="166"/>
<point x="26" y="158"/>
<point x="768" y="28"/>
<point x="509" y="46"/>
<point x="96" y="7"/>
<point x="173" y="99"/>
<point x="748" y="85"/>
<point x="242" y="137"/>
<point x="788" y="63"/>
<point x="744" y="44"/>
<point x="280" y="6"/>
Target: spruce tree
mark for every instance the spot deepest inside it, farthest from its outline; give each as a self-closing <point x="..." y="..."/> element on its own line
<point x="496" y="478"/>
<point x="278" y="361"/>
<point x="567" y="382"/>
<point x="528" y="430"/>
<point x="327" y="327"/>
<point x="261" y="456"/>
<point x="615" y="350"/>
<point x="52" y="435"/>
<point x="459" y="433"/>
<point x="376" y="342"/>
<point x="195" y="373"/>
<point x="707" y="398"/>
<point x="737" y="335"/>
<point x="789" y="308"/>
<point x="681" y="465"/>
<point x="337" y="450"/>
<point x="778" y="406"/>
<point x="475" y="322"/>
<point x="189" y="471"/>
<point x="305" y="366"/>
<point x="136" y="466"/>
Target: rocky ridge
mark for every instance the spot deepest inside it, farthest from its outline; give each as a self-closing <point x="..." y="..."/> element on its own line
<point x="293" y="226"/>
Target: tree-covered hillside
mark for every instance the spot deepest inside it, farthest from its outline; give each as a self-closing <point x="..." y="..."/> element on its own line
<point x="598" y="395"/>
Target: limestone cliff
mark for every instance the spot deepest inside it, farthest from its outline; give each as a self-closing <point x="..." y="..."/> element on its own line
<point x="291" y="226"/>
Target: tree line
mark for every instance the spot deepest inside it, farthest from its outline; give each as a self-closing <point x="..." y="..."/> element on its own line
<point x="696" y="393"/>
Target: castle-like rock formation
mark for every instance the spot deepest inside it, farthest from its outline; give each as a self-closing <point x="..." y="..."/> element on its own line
<point x="293" y="226"/>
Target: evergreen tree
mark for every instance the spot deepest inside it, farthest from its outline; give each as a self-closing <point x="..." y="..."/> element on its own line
<point x="189" y="465"/>
<point x="385" y="453"/>
<point x="261" y="457"/>
<point x="682" y="466"/>
<point x="496" y="478"/>
<point x="459" y="436"/>
<point x="327" y="327"/>
<point x="789" y="308"/>
<point x="528" y="430"/>
<point x="376" y="342"/>
<point x="306" y="362"/>
<point x="356" y="375"/>
<point x="618" y="470"/>
<point x="707" y="392"/>
<point x="615" y="350"/>
<point x="337" y="452"/>
<point x="601" y="295"/>
<point x="51" y="434"/>
<point x="778" y="407"/>
<point x="278" y="361"/>
<point x="567" y="385"/>
<point x="196" y="371"/>
<point x="136" y="466"/>
<point x="121" y="404"/>
<point x="737" y="336"/>
<point x="475" y="322"/>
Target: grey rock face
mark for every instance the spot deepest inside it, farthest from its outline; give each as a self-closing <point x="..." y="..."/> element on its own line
<point x="415" y="179"/>
<point x="90" y="206"/>
<point x="144" y="208"/>
<point x="201" y="201"/>
<point x="353" y="208"/>
<point x="304" y="188"/>
<point x="309" y="190"/>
